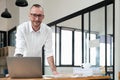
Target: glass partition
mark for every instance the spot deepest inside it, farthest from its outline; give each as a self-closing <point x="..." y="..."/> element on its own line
<point x="86" y="37"/>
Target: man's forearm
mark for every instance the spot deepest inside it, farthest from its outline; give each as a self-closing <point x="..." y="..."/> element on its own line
<point x="51" y="63"/>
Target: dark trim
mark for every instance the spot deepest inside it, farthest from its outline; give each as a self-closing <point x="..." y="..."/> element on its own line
<point x="114" y="39"/>
<point x="82" y="38"/>
<point x="89" y="31"/>
<point x="60" y="48"/>
<point x="73" y="48"/>
<point x="105" y="40"/>
<point x="43" y="61"/>
<point x="67" y="28"/>
<point x="55" y="43"/>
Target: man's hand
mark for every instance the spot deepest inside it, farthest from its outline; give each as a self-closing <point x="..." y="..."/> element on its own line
<point x="52" y="65"/>
<point x="55" y="72"/>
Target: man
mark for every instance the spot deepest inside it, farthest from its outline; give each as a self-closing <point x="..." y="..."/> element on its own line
<point x="32" y="35"/>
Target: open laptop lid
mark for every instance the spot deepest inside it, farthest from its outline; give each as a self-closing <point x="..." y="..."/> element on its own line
<point x="24" y="67"/>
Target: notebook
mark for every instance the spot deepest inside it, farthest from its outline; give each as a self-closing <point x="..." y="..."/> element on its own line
<point x="24" y="67"/>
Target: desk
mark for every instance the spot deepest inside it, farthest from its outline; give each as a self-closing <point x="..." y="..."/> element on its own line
<point x="80" y="78"/>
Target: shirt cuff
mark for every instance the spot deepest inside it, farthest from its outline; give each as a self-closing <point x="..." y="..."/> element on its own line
<point x="48" y="55"/>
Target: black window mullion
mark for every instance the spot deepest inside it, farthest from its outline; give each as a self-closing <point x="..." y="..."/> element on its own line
<point x="106" y="39"/>
<point x="55" y="44"/>
<point x="72" y="48"/>
<point x="89" y="20"/>
<point x="113" y="39"/>
<point x="60" y="48"/>
<point x="82" y="38"/>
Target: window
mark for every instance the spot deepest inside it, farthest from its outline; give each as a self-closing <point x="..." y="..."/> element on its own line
<point x="11" y="37"/>
<point x="109" y="51"/>
<point x="66" y="47"/>
<point x="3" y="39"/>
<point x="93" y="51"/>
<point x="78" y="48"/>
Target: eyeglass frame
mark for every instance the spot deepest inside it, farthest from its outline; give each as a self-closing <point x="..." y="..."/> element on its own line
<point x="36" y="15"/>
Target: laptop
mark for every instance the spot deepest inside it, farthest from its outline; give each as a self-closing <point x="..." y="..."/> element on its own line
<point x="24" y="67"/>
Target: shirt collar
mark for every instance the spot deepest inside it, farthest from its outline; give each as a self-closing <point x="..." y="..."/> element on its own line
<point x="31" y="29"/>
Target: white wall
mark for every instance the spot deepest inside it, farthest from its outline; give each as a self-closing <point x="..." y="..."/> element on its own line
<point x="8" y="23"/>
<point x="55" y="9"/>
<point x="14" y="10"/>
<point x="117" y="38"/>
<point x="3" y="21"/>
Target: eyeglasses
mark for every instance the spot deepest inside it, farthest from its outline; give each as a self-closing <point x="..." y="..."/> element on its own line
<point x="37" y="15"/>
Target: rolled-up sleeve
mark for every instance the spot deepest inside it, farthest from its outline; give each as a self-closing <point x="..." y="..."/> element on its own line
<point x="48" y="44"/>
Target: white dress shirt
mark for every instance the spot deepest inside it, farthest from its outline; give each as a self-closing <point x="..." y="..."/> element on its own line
<point x="29" y="43"/>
